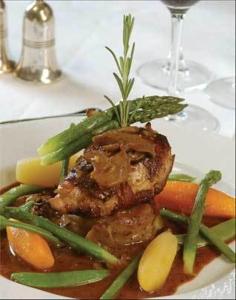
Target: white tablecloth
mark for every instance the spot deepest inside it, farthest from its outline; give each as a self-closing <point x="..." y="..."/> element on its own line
<point x="83" y="28"/>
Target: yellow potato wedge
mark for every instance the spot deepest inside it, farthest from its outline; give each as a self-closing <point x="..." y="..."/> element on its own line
<point x="158" y="223"/>
<point x="30" y="171"/>
<point x="156" y="261"/>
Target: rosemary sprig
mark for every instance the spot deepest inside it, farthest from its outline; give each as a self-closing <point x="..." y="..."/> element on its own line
<point x="124" y="64"/>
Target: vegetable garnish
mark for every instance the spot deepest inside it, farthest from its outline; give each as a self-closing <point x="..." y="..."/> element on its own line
<point x="32" y="228"/>
<point x="78" y="137"/>
<point x="179" y="196"/>
<point x="60" y="279"/>
<point x="190" y="243"/>
<point x="74" y="240"/>
<point x="124" y="64"/>
<point x="127" y="112"/>
<point x="215" y="235"/>
<point x="224" y="231"/>
<point x="121" y="280"/>
<point x="181" y="177"/>
<point x="64" y="169"/>
<point x="9" y="197"/>
<point x="31" y="247"/>
<point x="30" y="171"/>
<point x="156" y="262"/>
<point x="218" y="243"/>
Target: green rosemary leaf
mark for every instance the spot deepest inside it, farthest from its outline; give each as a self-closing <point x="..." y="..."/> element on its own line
<point x="132" y="55"/>
<point x="115" y="59"/>
<point x="124" y="67"/>
<point x="119" y="81"/>
<point x="130" y="85"/>
<point x="122" y="64"/>
<point x="114" y="107"/>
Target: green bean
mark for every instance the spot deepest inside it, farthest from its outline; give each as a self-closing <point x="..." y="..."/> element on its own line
<point x="27" y="206"/>
<point x="60" y="279"/>
<point x="181" y="177"/>
<point x="74" y="240"/>
<point x="10" y="196"/>
<point x="44" y="233"/>
<point x="121" y="280"/>
<point x="218" y="243"/>
<point x="215" y="235"/>
<point x="190" y="243"/>
<point x="173" y="216"/>
<point x="225" y="231"/>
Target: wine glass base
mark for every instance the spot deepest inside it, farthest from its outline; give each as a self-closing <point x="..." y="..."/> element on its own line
<point x="195" y="117"/>
<point x="156" y="74"/>
<point x="222" y="92"/>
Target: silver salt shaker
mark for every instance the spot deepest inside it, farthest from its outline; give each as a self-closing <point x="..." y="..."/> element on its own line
<point x="6" y="65"/>
<point x="38" y="58"/>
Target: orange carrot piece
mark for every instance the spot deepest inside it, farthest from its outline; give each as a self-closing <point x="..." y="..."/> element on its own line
<point x="31" y="247"/>
<point x="179" y="196"/>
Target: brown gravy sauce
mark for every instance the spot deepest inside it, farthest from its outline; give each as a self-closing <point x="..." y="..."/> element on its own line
<point x="68" y="260"/>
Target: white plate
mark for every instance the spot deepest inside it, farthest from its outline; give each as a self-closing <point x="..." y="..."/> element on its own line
<point x="196" y="151"/>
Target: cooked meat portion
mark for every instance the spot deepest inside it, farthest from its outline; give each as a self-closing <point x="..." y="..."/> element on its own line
<point x="123" y="232"/>
<point x="76" y="223"/>
<point x="120" y="169"/>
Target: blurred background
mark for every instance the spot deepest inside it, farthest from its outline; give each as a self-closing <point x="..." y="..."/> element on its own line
<point x="83" y="28"/>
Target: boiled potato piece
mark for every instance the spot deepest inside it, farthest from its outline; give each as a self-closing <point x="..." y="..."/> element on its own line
<point x="158" y="223"/>
<point x="156" y="261"/>
<point x="30" y="171"/>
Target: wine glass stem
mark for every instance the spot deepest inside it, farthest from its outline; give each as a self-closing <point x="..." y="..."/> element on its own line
<point x="177" y="25"/>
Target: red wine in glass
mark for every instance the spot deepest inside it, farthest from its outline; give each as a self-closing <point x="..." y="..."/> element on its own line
<point x="179" y="6"/>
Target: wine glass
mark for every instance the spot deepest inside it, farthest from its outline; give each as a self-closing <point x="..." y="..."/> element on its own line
<point x="175" y="76"/>
<point x="222" y="92"/>
<point x="192" y="74"/>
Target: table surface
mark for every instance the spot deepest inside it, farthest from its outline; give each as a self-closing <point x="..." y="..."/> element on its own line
<point x="83" y="28"/>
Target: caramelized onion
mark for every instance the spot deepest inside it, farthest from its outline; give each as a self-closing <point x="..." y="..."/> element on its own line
<point x="109" y="171"/>
<point x="115" y="151"/>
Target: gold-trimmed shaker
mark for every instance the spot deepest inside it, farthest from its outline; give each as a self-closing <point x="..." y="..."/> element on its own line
<point x="6" y="65"/>
<point x="38" y="58"/>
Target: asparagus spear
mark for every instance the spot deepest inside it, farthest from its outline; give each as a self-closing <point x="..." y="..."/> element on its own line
<point x="75" y="132"/>
<point x="77" y="145"/>
<point x="74" y="240"/>
<point x="9" y="197"/>
<point x="60" y="279"/>
<point x="224" y="231"/>
<point x="79" y="136"/>
<point x="121" y="280"/>
<point x="44" y="233"/>
<point x="190" y="243"/>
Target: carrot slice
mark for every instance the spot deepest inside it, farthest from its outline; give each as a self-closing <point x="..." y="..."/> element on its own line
<point x="179" y="196"/>
<point x="31" y="247"/>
